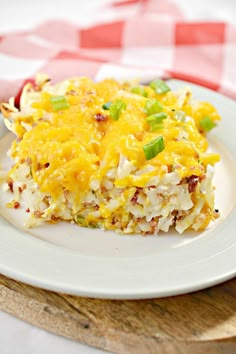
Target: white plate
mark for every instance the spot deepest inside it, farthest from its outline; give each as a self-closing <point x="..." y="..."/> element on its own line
<point x="95" y="263"/>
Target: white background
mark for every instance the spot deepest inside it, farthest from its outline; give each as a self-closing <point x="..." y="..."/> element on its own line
<point x="17" y="337"/>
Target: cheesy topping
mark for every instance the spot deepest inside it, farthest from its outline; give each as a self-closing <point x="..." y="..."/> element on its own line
<point x="70" y="150"/>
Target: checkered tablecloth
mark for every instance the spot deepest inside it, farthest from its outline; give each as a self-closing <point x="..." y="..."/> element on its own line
<point x="126" y="39"/>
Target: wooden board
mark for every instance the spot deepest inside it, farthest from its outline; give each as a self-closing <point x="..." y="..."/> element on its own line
<point x="201" y="322"/>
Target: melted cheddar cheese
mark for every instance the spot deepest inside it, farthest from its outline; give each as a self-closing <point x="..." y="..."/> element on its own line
<point x="70" y="148"/>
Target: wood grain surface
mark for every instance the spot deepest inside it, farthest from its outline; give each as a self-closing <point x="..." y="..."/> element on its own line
<point x="201" y="322"/>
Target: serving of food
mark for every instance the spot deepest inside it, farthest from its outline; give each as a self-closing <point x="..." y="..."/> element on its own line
<point x="111" y="155"/>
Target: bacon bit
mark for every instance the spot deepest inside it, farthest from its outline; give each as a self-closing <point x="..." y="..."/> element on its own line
<point x="21" y="189"/>
<point x="103" y="189"/>
<point x="180" y="217"/>
<point x="10" y="184"/>
<point x="175" y="216"/>
<point x="192" y="183"/>
<point x="134" y="199"/>
<point x="16" y="205"/>
<point x="38" y="213"/>
<point x="54" y="218"/>
<point x="115" y="220"/>
<point x="46" y="165"/>
<point x="27" y="210"/>
<point x="151" y="187"/>
<point x="100" y="117"/>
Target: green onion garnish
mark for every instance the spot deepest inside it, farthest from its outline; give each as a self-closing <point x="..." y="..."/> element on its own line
<point x="157" y="118"/>
<point x="106" y="106"/>
<point x="93" y="225"/>
<point x="139" y="90"/>
<point x="152" y="106"/>
<point x="59" y="103"/>
<point x="80" y="220"/>
<point x="116" y="109"/>
<point x="155" y="127"/>
<point x="155" y="121"/>
<point x="207" y="124"/>
<point x="153" y="148"/>
<point x="159" y="86"/>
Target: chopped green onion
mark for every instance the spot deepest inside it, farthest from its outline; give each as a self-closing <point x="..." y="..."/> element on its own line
<point x="155" y="127"/>
<point x="153" y="148"/>
<point x="157" y="117"/>
<point x="207" y="124"/>
<point x="106" y="106"/>
<point x="93" y="225"/>
<point x="139" y="90"/>
<point x="159" y="86"/>
<point x="59" y="103"/>
<point x="152" y="106"/>
<point x="116" y="109"/>
<point x="80" y="220"/>
<point x="155" y="121"/>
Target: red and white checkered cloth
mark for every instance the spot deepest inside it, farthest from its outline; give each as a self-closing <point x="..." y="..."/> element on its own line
<point x="141" y="39"/>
